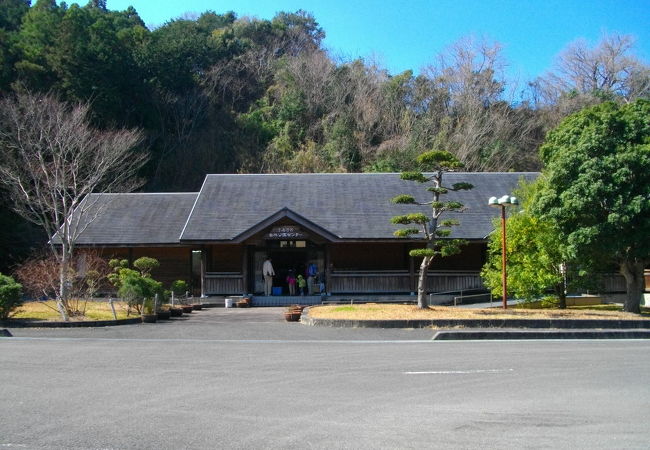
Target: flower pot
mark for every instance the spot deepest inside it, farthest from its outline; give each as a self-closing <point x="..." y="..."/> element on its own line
<point x="176" y="312"/>
<point x="164" y="314"/>
<point x="292" y="316"/>
<point x="187" y="309"/>
<point x="197" y="307"/>
<point x="149" y="318"/>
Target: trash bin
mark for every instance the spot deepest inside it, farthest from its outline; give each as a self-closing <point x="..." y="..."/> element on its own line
<point x="276" y="291"/>
<point x="229" y="303"/>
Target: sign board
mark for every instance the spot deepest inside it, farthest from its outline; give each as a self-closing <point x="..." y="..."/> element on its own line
<point x="286" y="232"/>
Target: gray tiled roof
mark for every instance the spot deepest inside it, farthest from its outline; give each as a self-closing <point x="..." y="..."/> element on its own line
<point x="132" y="219"/>
<point x="349" y="206"/>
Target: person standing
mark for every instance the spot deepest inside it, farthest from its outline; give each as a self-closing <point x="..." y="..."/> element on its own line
<point x="268" y="273"/>
<point x="291" y="281"/>
<point x="312" y="271"/>
<point x="302" y="283"/>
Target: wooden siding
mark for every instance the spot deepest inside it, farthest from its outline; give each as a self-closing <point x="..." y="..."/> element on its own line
<point x="174" y="263"/>
<point x="399" y="281"/>
<point x="613" y="282"/>
<point x="367" y="281"/>
<point x="453" y="281"/>
<point x="223" y="283"/>
<point x="369" y="256"/>
<point x="225" y="258"/>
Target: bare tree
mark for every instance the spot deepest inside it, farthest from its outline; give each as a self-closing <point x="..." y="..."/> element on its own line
<point x="609" y="70"/>
<point x="52" y="159"/>
<point x="475" y="114"/>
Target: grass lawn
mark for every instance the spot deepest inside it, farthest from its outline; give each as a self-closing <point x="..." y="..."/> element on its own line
<point x="375" y="311"/>
<point x="94" y="310"/>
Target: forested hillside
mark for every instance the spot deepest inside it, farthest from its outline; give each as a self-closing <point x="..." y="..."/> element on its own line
<point x="220" y="93"/>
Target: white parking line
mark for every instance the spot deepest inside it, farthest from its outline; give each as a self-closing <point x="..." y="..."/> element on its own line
<point x="448" y="372"/>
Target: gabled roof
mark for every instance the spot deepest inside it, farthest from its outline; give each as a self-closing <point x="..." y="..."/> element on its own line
<point x="284" y="213"/>
<point x="136" y="219"/>
<point x="347" y="206"/>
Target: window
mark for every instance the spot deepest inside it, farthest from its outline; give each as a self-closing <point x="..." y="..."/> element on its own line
<point x="293" y="244"/>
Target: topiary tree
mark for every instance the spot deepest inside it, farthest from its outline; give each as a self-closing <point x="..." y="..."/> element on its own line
<point x="179" y="287"/>
<point x="433" y="229"/>
<point x="10" y="296"/>
<point x="146" y="265"/>
<point x="137" y="288"/>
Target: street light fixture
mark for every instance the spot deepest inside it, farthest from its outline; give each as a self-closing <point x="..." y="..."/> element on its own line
<point x="502" y="202"/>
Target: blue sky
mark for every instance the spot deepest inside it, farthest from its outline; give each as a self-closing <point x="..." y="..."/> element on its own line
<point x="408" y="34"/>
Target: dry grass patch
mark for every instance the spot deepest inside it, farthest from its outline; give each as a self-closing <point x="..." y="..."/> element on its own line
<point x="374" y="311"/>
<point x="93" y="311"/>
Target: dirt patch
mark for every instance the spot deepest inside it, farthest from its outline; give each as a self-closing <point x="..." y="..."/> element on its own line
<point x="372" y="311"/>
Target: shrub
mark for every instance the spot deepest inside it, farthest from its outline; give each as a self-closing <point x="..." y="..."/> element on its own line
<point x="40" y="278"/>
<point x="10" y="296"/>
<point x="145" y="265"/>
<point x="179" y="287"/>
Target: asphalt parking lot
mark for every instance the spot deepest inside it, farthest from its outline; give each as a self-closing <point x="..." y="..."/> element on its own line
<point x="225" y="378"/>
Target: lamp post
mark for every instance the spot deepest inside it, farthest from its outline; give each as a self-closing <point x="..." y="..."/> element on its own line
<point x="502" y="202"/>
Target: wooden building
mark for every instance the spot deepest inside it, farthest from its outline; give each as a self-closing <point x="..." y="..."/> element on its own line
<point x="218" y="238"/>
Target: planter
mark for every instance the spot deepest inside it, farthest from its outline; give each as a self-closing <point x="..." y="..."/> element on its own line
<point x="149" y="318"/>
<point x="242" y="304"/>
<point x="197" y="307"/>
<point x="176" y="312"/>
<point x="164" y="314"/>
<point x="187" y="309"/>
<point x="292" y="316"/>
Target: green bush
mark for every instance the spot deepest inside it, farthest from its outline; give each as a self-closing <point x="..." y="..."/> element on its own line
<point x="145" y="265"/>
<point x="10" y="296"/>
<point x="179" y="287"/>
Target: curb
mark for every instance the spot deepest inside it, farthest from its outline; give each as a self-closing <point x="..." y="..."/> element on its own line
<point x="87" y="324"/>
<point x="454" y="335"/>
<point x="484" y="323"/>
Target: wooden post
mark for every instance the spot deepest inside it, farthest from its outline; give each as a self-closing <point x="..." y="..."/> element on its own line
<point x="328" y="272"/>
<point x="110" y="302"/>
<point x="411" y="271"/>
<point x="244" y="272"/>
<point x="203" y="272"/>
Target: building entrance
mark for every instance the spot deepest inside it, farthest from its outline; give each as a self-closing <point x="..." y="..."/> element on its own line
<point x="285" y="261"/>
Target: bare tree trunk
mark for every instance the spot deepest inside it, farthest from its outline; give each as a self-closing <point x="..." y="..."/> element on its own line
<point x="423" y="301"/>
<point x="634" y="283"/>
<point x="62" y="301"/>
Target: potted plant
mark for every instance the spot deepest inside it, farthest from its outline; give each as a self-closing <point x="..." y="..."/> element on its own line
<point x="179" y="288"/>
<point x="164" y="313"/>
<point x="149" y="311"/>
<point x="293" y="313"/>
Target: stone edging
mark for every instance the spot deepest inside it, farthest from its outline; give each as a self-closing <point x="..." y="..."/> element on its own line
<point x="476" y="334"/>
<point x="481" y="323"/>
<point x="71" y="324"/>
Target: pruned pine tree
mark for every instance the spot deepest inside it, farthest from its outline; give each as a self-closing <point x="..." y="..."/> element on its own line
<point x="434" y="228"/>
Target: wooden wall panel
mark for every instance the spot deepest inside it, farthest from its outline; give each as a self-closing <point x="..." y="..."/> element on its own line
<point x="371" y="256"/>
<point x="225" y="258"/>
<point x="174" y="263"/>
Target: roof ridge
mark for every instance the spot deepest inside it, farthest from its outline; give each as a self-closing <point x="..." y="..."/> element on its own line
<point x="143" y="193"/>
<point x="350" y="173"/>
